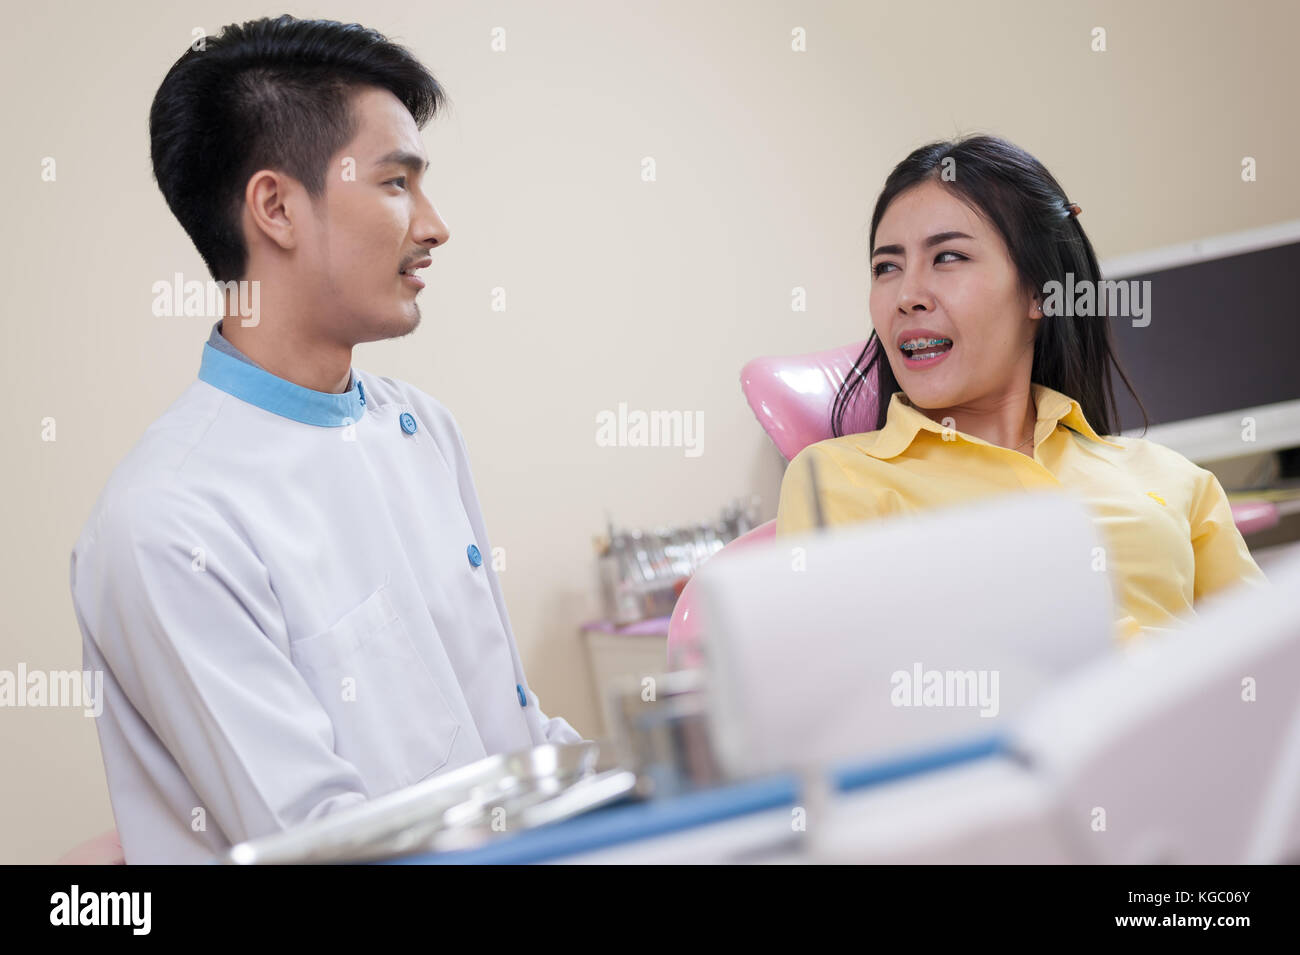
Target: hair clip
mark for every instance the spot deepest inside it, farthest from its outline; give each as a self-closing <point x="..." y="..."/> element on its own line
<point x="1074" y="208"/>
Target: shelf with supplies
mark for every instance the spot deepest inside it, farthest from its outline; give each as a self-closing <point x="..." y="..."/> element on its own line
<point x="621" y="655"/>
<point x="641" y="573"/>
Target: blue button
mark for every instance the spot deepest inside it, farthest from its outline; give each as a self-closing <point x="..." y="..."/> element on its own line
<point x="408" y="423"/>
<point x="523" y="700"/>
<point x="475" y="558"/>
<point x="361" y="391"/>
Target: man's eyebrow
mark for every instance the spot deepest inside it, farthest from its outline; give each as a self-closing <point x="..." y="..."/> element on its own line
<point x="400" y="157"/>
<point x="937" y="239"/>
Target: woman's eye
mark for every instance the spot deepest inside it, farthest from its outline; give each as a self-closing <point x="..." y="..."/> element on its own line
<point x="401" y="179"/>
<point x="878" y="269"/>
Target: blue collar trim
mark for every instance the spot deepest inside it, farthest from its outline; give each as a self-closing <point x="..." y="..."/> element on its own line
<point x="259" y="387"/>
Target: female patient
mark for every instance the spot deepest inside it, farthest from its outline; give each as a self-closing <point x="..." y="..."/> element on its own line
<point x="984" y="389"/>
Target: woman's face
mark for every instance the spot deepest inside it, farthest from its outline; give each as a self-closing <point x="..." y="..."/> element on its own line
<point x="940" y="270"/>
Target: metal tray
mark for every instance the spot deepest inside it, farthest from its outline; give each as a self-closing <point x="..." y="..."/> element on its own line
<point x="469" y="806"/>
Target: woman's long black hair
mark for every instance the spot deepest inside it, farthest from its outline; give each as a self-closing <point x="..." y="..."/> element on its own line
<point x="1015" y="192"/>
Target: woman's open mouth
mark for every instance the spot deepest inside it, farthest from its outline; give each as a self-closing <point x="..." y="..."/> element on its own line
<point x="925" y="352"/>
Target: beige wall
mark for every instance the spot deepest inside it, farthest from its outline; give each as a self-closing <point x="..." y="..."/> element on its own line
<point x="618" y="290"/>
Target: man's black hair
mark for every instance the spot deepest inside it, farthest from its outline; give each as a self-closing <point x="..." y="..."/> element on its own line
<point x="267" y="94"/>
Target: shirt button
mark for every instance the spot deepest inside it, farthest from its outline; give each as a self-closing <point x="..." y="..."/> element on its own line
<point x="408" y="423"/>
<point x="523" y="700"/>
<point x="475" y="558"/>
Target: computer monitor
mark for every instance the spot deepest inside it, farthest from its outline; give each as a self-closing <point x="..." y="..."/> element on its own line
<point x="1222" y="344"/>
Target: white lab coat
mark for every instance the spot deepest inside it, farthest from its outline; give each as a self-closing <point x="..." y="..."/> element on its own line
<point x="288" y="615"/>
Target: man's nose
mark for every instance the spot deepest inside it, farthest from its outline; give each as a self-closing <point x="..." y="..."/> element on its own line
<point x="431" y="230"/>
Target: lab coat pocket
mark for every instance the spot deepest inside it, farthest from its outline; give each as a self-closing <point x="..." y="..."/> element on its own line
<point x="390" y="718"/>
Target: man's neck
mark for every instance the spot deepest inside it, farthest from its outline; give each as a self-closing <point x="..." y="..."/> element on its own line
<point x="308" y="363"/>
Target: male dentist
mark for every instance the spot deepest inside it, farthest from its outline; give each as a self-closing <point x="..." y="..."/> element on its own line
<point x="287" y="582"/>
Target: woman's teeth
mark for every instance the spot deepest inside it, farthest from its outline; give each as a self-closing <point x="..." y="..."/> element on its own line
<point x="925" y="349"/>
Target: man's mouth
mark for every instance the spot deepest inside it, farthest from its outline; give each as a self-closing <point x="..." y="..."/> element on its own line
<point x="411" y="269"/>
<point x="408" y="275"/>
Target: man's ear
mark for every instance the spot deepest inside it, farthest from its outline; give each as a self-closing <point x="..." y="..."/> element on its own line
<point x="267" y="207"/>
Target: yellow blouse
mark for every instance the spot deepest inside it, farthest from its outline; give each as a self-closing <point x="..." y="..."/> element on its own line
<point x="1165" y="523"/>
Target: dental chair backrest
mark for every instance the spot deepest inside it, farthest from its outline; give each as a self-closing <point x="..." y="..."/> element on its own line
<point x="791" y="396"/>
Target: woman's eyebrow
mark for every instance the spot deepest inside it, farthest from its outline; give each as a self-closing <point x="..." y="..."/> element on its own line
<point x="937" y="239"/>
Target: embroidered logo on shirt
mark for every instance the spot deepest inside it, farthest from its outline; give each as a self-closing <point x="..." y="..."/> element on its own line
<point x="1157" y="497"/>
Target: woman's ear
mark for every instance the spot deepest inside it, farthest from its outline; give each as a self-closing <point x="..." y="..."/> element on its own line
<point x="1035" y="306"/>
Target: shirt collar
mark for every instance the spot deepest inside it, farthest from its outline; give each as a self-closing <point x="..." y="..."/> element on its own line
<point x="222" y="344"/>
<point x="903" y="423"/>
<point x="238" y="376"/>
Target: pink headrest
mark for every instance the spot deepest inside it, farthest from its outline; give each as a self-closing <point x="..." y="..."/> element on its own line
<point x="792" y="396"/>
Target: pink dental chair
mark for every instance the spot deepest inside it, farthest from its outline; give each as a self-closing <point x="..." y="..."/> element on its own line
<point x="792" y="399"/>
